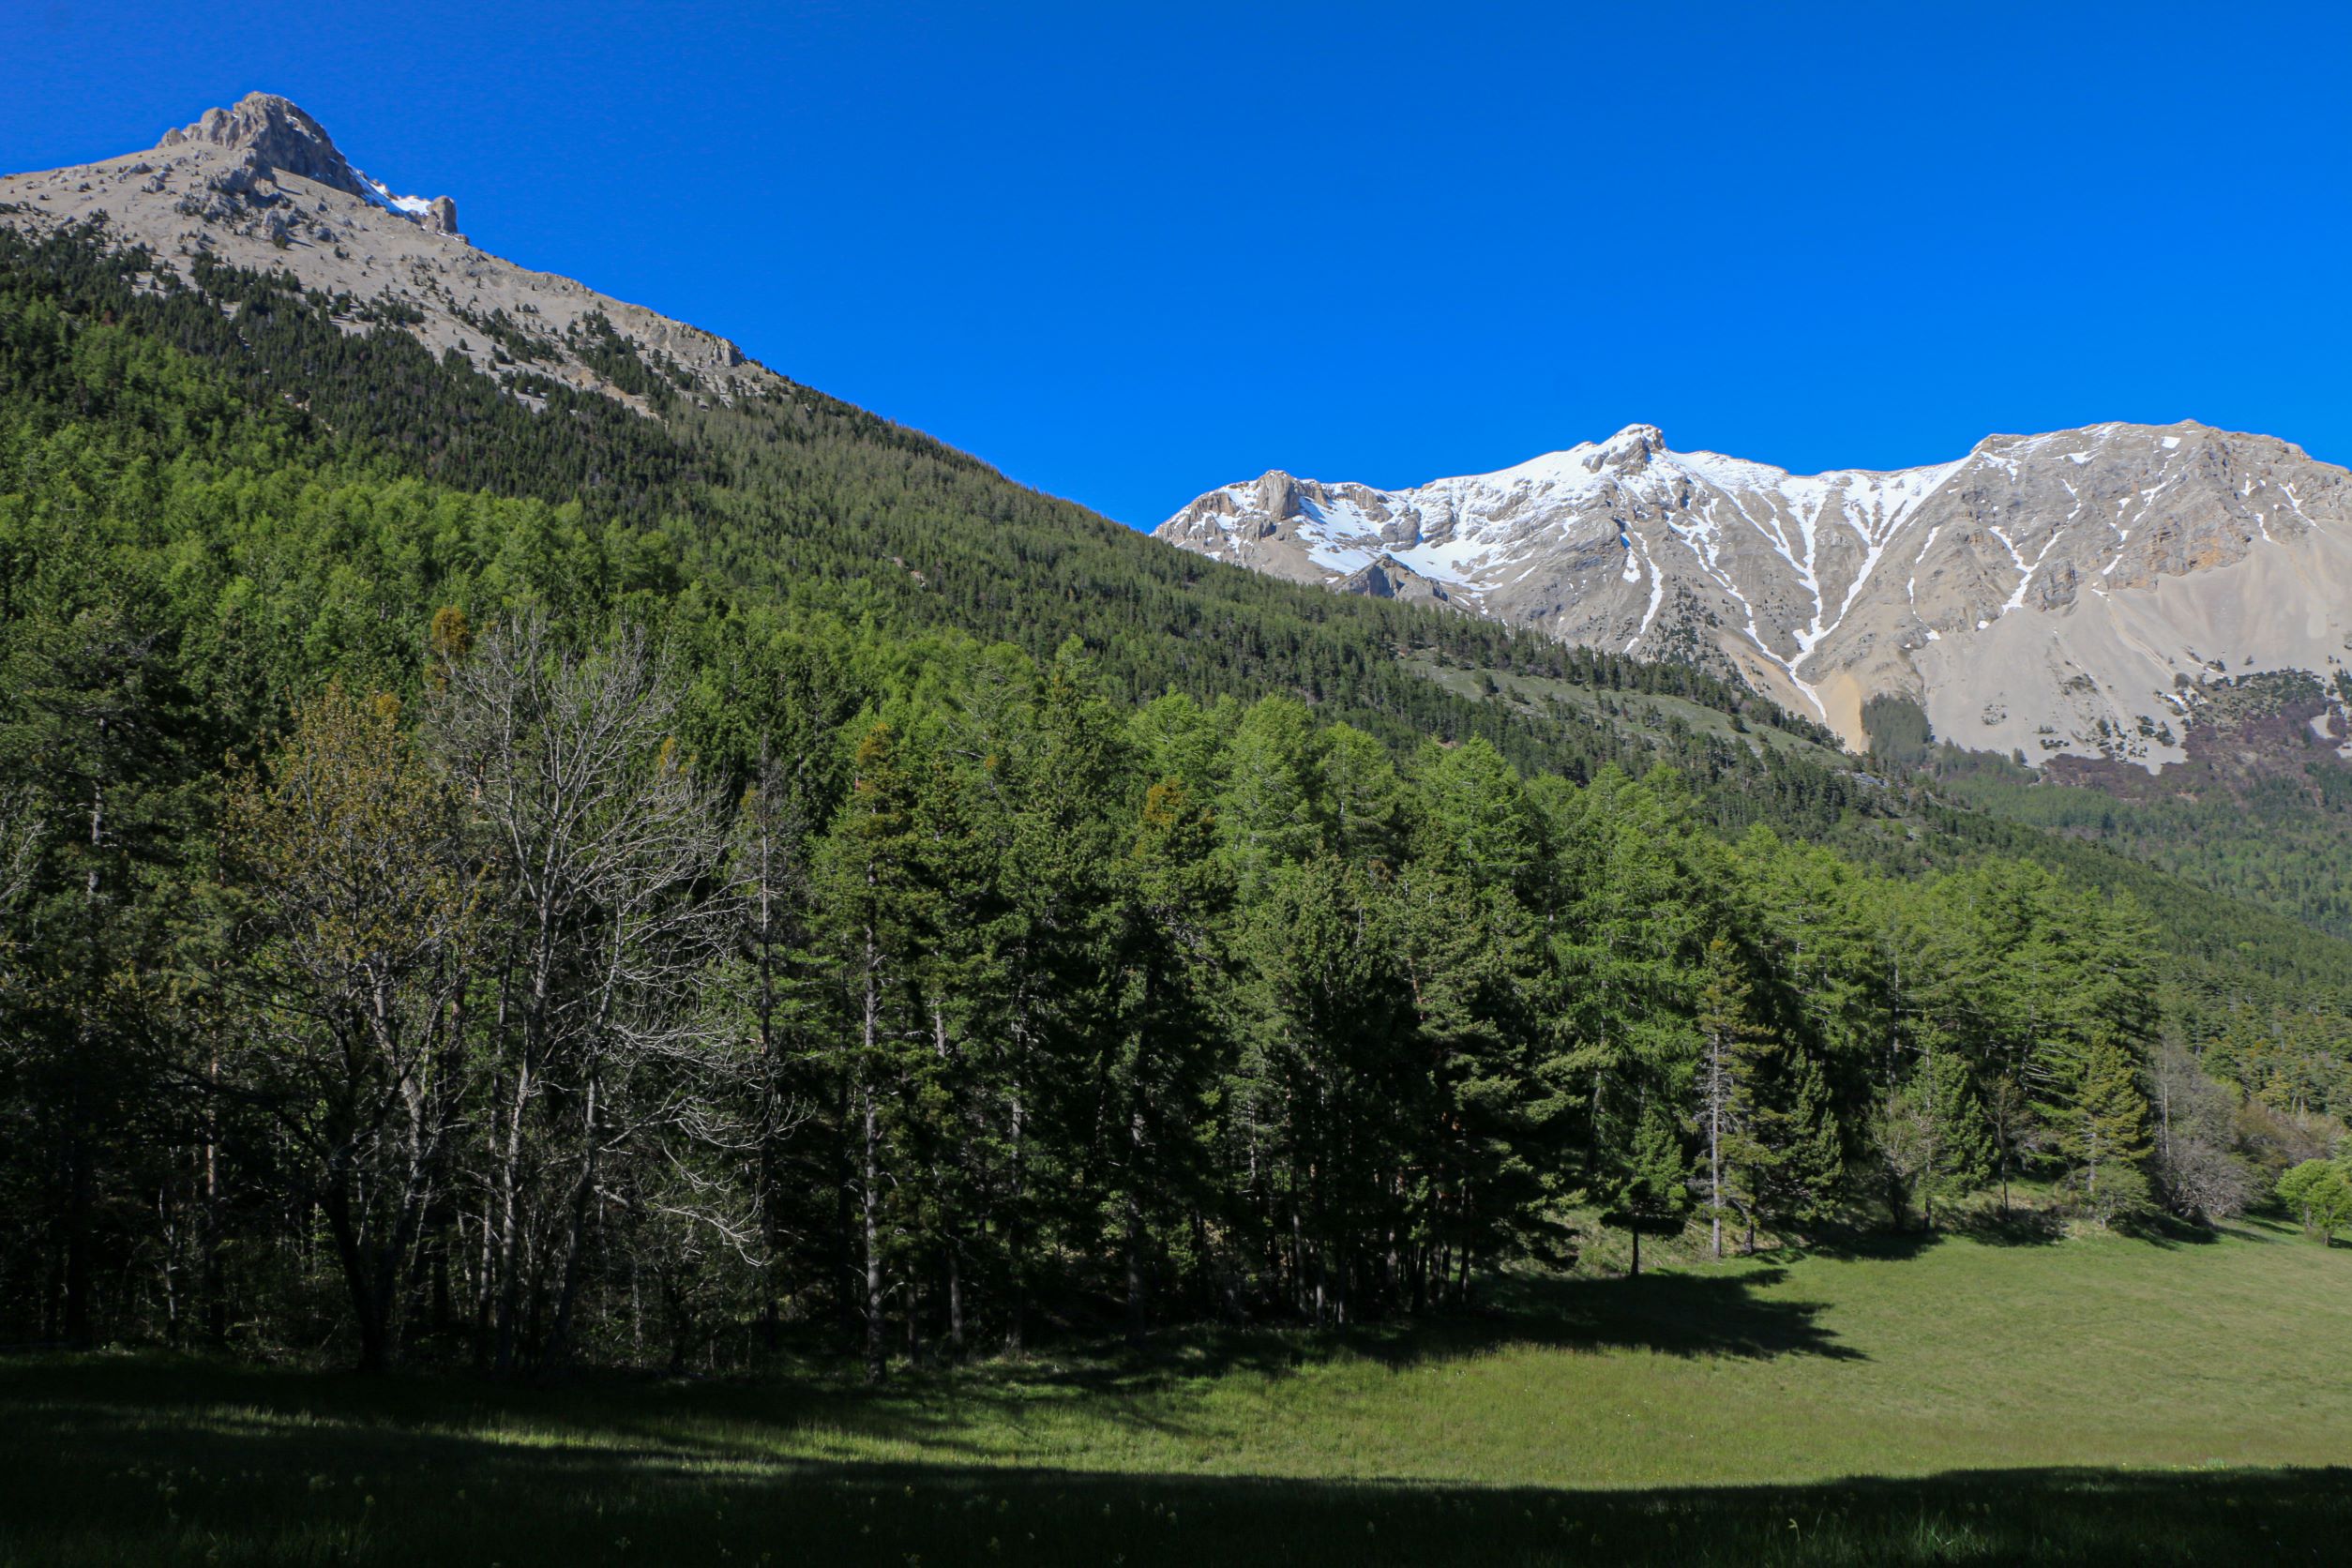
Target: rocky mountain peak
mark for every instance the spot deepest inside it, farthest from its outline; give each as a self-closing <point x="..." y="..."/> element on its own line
<point x="261" y="186"/>
<point x="1629" y="448"/>
<point x="274" y="135"/>
<point x="279" y="135"/>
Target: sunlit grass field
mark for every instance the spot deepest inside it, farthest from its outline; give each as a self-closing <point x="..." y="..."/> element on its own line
<point x="2002" y="1398"/>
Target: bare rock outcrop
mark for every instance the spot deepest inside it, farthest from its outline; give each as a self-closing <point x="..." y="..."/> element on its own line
<point x="271" y="134"/>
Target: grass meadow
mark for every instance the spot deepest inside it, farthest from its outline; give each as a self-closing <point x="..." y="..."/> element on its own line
<point x="2002" y="1397"/>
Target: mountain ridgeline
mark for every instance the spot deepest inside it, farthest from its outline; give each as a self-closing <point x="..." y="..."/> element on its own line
<point x="2051" y="596"/>
<point x="528" y="837"/>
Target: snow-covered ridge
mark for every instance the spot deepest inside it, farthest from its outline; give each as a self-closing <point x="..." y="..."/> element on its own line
<point x="1469" y="531"/>
<point x="1980" y="586"/>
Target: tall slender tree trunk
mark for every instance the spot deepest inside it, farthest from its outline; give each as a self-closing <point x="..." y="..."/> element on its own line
<point x="955" y="1299"/>
<point x="1016" y="1238"/>
<point x="509" y="1260"/>
<point x="483" y="1288"/>
<point x="1133" y="1248"/>
<point x="576" y="1228"/>
<point x="216" y="1304"/>
<point x="842" y="1246"/>
<point x="871" y="1032"/>
<point x="80" y="1184"/>
<point x="1714" y="1145"/>
<point x="876" y="1364"/>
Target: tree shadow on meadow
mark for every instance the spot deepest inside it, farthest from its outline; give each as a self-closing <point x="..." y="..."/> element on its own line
<point x="1988" y="1225"/>
<point x="1726" y="1314"/>
<point x="89" y="1478"/>
<point x="2019" y="1226"/>
<point x="1714" y="1314"/>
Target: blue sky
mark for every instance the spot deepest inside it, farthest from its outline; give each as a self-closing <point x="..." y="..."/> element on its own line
<point x="1130" y="252"/>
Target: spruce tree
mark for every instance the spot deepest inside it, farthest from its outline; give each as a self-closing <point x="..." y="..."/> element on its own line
<point x="2098" y="1117"/>
<point x="1804" y="1159"/>
<point x="880" y="907"/>
<point x="1732" y="1053"/>
<point x="1647" y="1182"/>
<point x="1962" y="1161"/>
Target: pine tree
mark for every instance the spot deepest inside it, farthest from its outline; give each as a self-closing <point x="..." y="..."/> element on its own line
<point x="2098" y="1117"/>
<point x="99" y="739"/>
<point x="1160" y="1062"/>
<point x="1933" y="1142"/>
<point x="1648" y="1178"/>
<point x="879" y="909"/>
<point x="1732" y="1052"/>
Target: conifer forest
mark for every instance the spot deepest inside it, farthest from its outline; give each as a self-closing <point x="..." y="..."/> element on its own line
<point x="537" y="888"/>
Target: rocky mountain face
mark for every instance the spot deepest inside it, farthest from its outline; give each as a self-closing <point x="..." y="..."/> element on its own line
<point x="268" y="136"/>
<point x="2048" y="594"/>
<point x="262" y="185"/>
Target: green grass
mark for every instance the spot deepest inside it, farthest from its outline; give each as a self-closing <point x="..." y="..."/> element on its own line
<point x="2002" y="1399"/>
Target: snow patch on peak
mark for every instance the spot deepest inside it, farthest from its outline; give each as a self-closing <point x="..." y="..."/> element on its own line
<point x="1727" y="474"/>
<point x="1635" y="441"/>
<point x="410" y="207"/>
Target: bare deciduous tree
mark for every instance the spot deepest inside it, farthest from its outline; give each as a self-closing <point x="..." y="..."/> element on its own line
<point x="606" y="847"/>
<point x="19" y="844"/>
<point x="2197" y="1168"/>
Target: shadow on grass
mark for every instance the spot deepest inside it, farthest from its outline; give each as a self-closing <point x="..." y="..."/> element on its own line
<point x="1715" y="1314"/>
<point x="2169" y="1232"/>
<point x="1676" y="1313"/>
<point x="1673" y="1314"/>
<point x="1994" y="1227"/>
<point x="196" y="1474"/>
<point x="2263" y="1228"/>
<point x="1989" y="1226"/>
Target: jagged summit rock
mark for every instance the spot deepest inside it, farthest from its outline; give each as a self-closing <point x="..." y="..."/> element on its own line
<point x="279" y="135"/>
<point x="272" y="135"/>
<point x="2047" y="594"/>
<point x="1630" y="447"/>
<point x="261" y="184"/>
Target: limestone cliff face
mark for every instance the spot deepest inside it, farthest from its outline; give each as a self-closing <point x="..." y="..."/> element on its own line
<point x="2050" y="593"/>
<point x="261" y="184"/>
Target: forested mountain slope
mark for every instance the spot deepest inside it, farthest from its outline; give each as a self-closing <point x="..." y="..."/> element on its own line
<point x="2259" y="808"/>
<point x="776" y="489"/>
<point x="322" y="280"/>
<point x="497" y="866"/>
<point x="798" y="501"/>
